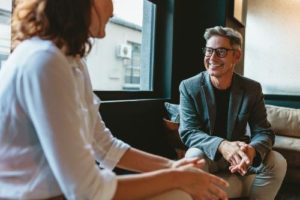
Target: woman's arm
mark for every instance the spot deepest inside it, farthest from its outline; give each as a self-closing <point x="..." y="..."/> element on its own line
<point x="199" y="184"/>
<point x="140" y="161"/>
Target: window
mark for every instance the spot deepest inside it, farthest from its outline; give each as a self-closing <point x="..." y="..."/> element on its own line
<point x="121" y="65"/>
<point x="116" y="62"/>
<point x="5" y="29"/>
<point x="132" y="68"/>
<point x="272" y="46"/>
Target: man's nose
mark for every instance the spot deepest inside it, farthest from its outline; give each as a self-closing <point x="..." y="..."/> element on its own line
<point x="214" y="55"/>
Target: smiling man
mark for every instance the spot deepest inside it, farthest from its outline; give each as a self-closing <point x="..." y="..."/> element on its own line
<point x="215" y="108"/>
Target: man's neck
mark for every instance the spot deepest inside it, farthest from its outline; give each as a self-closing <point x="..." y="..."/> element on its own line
<point x="221" y="83"/>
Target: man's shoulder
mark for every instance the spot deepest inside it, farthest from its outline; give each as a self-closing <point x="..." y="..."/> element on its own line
<point x="246" y="82"/>
<point x="197" y="79"/>
<point x="194" y="84"/>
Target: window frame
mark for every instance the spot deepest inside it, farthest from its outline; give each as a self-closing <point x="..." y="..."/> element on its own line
<point x="160" y="57"/>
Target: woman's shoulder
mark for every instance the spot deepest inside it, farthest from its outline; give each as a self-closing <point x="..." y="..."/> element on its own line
<point x="36" y="59"/>
<point x="36" y="45"/>
<point x="38" y="53"/>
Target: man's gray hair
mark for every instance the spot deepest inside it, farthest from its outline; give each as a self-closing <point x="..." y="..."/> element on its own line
<point x="235" y="38"/>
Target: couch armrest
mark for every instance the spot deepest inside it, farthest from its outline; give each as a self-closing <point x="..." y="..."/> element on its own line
<point x="285" y="121"/>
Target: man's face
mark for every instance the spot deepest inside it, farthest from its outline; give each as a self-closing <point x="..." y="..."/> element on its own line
<point x="221" y="67"/>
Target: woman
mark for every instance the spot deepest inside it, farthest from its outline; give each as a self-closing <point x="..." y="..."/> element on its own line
<point x="50" y="129"/>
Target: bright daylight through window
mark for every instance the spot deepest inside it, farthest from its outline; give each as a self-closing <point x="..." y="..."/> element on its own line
<point x="122" y="60"/>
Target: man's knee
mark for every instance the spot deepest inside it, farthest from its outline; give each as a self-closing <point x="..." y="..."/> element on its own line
<point x="276" y="163"/>
<point x="197" y="153"/>
<point x="194" y="153"/>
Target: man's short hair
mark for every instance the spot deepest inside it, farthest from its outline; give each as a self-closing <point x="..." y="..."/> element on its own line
<point x="235" y="38"/>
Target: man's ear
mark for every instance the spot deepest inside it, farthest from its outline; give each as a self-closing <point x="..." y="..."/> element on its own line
<point x="237" y="55"/>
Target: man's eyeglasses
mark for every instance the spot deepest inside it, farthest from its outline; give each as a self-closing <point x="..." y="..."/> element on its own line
<point x="220" y="52"/>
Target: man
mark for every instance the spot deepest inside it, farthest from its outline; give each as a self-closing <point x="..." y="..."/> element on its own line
<point x="215" y="108"/>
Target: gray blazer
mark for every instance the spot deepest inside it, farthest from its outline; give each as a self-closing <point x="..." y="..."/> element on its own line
<point x="246" y="105"/>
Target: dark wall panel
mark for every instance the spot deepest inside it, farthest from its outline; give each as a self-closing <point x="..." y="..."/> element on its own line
<point x="139" y="123"/>
<point x="191" y="19"/>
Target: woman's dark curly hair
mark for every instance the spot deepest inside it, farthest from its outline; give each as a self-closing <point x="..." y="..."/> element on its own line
<point x="65" y="22"/>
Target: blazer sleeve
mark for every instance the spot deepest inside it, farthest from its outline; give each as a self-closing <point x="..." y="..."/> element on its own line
<point x="193" y="130"/>
<point x="262" y="136"/>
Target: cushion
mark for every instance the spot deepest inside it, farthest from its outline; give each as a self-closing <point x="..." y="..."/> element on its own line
<point x="290" y="148"/>
<point x="171" y="129"/>
<point x="288" y="143"/>
<point x="285" y="121"/>
<point x="172" y="111"/>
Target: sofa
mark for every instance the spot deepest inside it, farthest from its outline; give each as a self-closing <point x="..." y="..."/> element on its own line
<point x="285" y="123"/>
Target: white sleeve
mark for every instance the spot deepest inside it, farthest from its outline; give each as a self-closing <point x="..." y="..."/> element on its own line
<point x="47" y="93"/>
<point x="108" y="149"/>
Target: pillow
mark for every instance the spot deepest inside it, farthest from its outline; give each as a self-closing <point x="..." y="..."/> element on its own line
<point x="172" y="111"/>
<point x="285" y="121"/>
<point x="173" y="138"/>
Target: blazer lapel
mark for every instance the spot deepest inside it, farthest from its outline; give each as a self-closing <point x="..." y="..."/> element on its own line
<point x="235" y="99"/>
<point x="208" y="91"/>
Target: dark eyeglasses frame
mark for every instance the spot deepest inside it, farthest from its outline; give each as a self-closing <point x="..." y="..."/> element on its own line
<point x="217" y="50"/>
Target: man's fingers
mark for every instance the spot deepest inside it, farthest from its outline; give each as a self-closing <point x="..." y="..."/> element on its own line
<point x="241" y="168"/>
<point x="244" y="157"/>
<point x="243" y="148"/>
<point x="244" y="166"/>
<point x="233" y="169"/>
<point x="235" y="159"/>
<point x="241" y="144"/>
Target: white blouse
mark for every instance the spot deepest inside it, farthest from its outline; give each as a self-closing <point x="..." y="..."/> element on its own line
<point x="50" y="128"/>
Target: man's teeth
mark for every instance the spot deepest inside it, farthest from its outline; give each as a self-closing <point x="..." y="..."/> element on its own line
<point x="212" y="65"/>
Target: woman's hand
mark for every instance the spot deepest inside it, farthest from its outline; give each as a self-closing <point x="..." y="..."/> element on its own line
<point x="195" y="162"/>
<point x="202" y="185"/>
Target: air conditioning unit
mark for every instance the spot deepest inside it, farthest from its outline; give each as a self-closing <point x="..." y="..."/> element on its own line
<point x="124" y="51"/>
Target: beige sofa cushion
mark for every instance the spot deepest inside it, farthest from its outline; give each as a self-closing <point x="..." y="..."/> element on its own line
<point x="285" y="121"/>
<point x="288" y="143"/>
<point x="290" y="148"/>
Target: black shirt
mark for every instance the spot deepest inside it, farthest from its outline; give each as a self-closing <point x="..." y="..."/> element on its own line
<point x="222" y="103"/>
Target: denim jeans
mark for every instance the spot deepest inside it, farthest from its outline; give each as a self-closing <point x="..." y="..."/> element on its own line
<point x="260" y="183"/>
